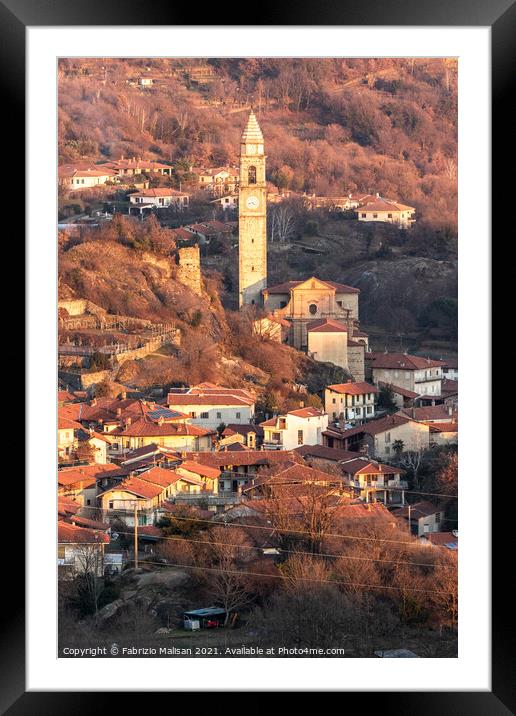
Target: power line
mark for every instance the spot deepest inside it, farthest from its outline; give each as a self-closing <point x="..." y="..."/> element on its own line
<point x="273" y="528"/>
<point x="294" y="551"/>
<point x="301" y="579"/>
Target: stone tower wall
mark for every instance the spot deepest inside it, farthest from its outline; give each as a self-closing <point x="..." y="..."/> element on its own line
<point x="189" y="268"/>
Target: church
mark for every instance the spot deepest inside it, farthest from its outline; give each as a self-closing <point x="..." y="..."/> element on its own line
<point x="321" y="316"/>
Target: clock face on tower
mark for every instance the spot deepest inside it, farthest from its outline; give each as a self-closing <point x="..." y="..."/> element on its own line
<point x="252" y="202"/>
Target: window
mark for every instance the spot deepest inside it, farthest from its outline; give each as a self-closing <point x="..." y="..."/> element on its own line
<point x="238" y="416"/>
<point x="339" y="304"/>
<point x="312" y="309"/>
<point x="387" y="451"/>
<point x="375" y="216"/>
<point x="205" y="416"/>
<point x="387" y="437"/>
<point x="333" y="400"/>
<point x="437" y="517"/>
<point x="299" y="437"/>
<point x="363" y="216"/>
<point x="251" y="175"/>
<point x="389" y="216"/>
<point x="111" y="504"/>
<point x="219" y="416"/>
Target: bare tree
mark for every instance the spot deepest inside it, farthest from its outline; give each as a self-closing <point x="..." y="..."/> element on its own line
<point x="282" y="223"/>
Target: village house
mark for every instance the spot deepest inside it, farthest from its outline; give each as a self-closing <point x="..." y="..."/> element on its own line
<point x="250" y="436"/>
<point x="415" y="373"/>
<point x="238" y="467"/>
<point x="218" y="181"/>
<point x="93" y="445"/>
<point x="402" y="397"/>
<point x="75" y="178"/>
<point x="205" y="474"/>
<point x="380" y="437"/>
<point x="442" y="421"/>
<point x="128" y="424"/>
<point x="205" y="231"/>
<point x="134" y="166"/>
<point x="227" y="202"/>
<point x="350" y="401"/>
<point x="390" y="212"/>
<point x="208" y="405"/>
<point x="80" y="550"/>
<point x="176" y="434"/>
<point x="423" y="517"/>
<point x="304" y="426"/>
<point x="79" y="483"/>
<point x="441" y="540"/>
<point x="160" y="198"/>
<point x="321" y="455"/>
<point x="66" y="438"/>
<point x="371" y="480"/>
<point x="146" y="492"/>
<point x="291" y="474"/>
<point x="450" y="368"/>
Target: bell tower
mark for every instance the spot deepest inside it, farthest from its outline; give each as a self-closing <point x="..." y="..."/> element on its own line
<point x="252" y="216"/>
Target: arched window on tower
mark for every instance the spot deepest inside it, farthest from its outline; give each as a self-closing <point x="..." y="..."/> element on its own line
<point x="251" y="175"/>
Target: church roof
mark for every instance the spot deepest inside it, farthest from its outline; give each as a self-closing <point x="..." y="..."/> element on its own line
<point x="289" y="285"/>
<point x="252" y="132"/>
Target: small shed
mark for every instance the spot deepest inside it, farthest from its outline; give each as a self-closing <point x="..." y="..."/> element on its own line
<point x="207" y="618"/>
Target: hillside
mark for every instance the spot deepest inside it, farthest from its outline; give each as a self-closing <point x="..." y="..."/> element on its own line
<point x="331" y="126"/>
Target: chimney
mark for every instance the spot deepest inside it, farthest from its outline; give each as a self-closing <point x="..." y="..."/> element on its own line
<point x="450" y="410"/>
<point x="118" y="412"/>
<point x="123" y="395"/>
<point x="128" y="421"/>
<point x="302" y="404"/>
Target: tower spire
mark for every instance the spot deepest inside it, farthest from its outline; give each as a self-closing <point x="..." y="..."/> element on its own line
<point x="252" y="132"/>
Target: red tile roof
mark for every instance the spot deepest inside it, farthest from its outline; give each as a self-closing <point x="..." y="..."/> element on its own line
<point x="64" y="423"/>
<point x="350" y="388"/>
<point x="243" y="458"/>
<point x="374" y="427"/>
<point x="325" y="453"/>
<point x="149" y="428"/>
<point x="383" y="205"/>
<point x="161" y="191"/>
<point x="417" y="510"/>
<point x="197" y="468"/>
<point x="84" y="473"/>
<point x="400" y="361"/>
<point x="364" y="466"/>
<point x="71" y="534"/>
<point x="136" y="486"/>
<point x="397" y="389"/>
<point x="326" y="325"/>
<point x="439" y="413"/>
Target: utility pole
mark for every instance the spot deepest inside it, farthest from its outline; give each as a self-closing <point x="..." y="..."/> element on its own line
<point x="136" y="535"/>
<point x="409" y="523"/>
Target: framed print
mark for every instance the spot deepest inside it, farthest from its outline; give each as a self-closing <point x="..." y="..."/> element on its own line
<point x="257" y="257"/>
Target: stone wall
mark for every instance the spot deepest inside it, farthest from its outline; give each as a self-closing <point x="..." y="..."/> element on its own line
<point x="356" y="361"/>
<point x="189" y="268"/>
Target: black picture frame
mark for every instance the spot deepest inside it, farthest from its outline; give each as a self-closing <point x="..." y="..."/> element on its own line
<point x="500" y="16"/>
